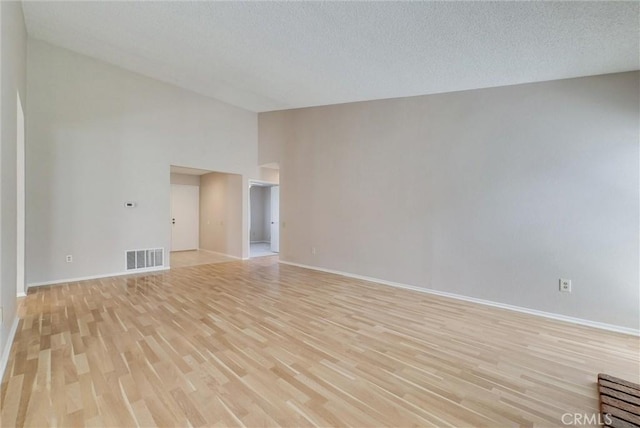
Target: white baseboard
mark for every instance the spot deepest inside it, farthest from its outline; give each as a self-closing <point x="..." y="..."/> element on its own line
<point x="107" y="275"/>
<point x="21" y="294"/>
<point x="574" y="320"/>
<point x="221" y="254"/>
<point x="87" y="278"/>
<point x="6" y="352"/>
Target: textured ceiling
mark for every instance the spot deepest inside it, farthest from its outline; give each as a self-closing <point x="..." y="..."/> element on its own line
<point x="276" y="55"/>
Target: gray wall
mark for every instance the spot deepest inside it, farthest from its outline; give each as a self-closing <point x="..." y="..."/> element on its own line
<point x="493" y="194"/>
<point x="266" y="221"/>
<point x="13" y="80"/>
<point x="221" y="202"/>
<point x="260" y="214"/>
<point x="98" y="136"/>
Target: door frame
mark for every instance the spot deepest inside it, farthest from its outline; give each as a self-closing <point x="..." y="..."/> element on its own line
<point x="262" y="183"/>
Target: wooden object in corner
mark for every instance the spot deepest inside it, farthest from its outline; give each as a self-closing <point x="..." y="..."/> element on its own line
<point x="619" y="402"/>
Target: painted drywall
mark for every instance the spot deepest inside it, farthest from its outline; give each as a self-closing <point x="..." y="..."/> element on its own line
<point x="271" y="175"/>
<point x="256" y="205"/>
<point x="266" y="219"/>
<point x="260" y="205"/>
<point x="20" y="199"/>
<point x="184" y="179"/>
<point x="493" y="194"/>
<point x="13" y="50"/>
<point x="273" y="130"/>
<point x="98" y="136"/>
<point x="221" y="204"/>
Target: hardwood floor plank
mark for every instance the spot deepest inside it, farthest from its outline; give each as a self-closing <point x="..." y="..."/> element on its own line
<point x="262" y="344"/>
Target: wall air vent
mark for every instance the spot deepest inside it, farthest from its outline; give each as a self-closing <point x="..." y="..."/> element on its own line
<point x="144" y="259"/>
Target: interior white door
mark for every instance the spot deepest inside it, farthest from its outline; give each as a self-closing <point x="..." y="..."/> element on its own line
<point x="185" y="217"/>
<point x="275" y="219"/>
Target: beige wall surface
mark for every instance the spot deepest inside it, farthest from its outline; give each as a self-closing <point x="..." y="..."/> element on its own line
<point x="221" y="199"/>
<point x="271" y="175"/>
<point x="98" y="136"/>
<point x="493" y="194"/>
<point x="184" y="179"/>
<point x="272" y="132"/>
<point x="13" y="51"/>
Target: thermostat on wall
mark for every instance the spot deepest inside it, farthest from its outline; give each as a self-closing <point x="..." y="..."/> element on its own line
<point x="130" y="204"/>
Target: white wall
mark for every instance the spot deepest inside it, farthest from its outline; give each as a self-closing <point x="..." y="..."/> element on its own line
<point x="493" y="194"/>
<point x="97" y="136"/>
<point x="20" y="199"/>
<point x="13" y="48"/>
<point x="221" y="204"/>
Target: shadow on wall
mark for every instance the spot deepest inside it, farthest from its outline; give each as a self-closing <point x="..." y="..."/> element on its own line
<point x="221" y="213"/>
<point x="260" y="198"/>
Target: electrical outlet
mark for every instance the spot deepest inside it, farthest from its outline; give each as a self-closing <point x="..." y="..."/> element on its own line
<point x="69" y="258"/>
<point x="313" y="250"/>
<point x="565" y="285"/>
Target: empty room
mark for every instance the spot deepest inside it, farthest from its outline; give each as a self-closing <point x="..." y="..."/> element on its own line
<point x="328" y="214"/>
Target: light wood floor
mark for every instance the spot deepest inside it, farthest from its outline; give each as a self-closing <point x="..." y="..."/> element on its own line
<point x="197" y="257"/>
<point x="261" y="344"/>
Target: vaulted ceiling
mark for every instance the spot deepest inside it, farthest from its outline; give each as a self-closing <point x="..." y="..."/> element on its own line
<point x="276" y="55"/>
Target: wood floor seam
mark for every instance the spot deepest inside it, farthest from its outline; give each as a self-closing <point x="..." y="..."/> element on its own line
<point x="258" y="343"/>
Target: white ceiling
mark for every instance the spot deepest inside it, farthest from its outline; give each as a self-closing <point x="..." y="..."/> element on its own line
<point x="276" y="55"/>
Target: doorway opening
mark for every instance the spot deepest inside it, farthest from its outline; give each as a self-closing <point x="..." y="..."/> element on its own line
<point x="264" y="219"/>
<point x="206" y="217"/>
